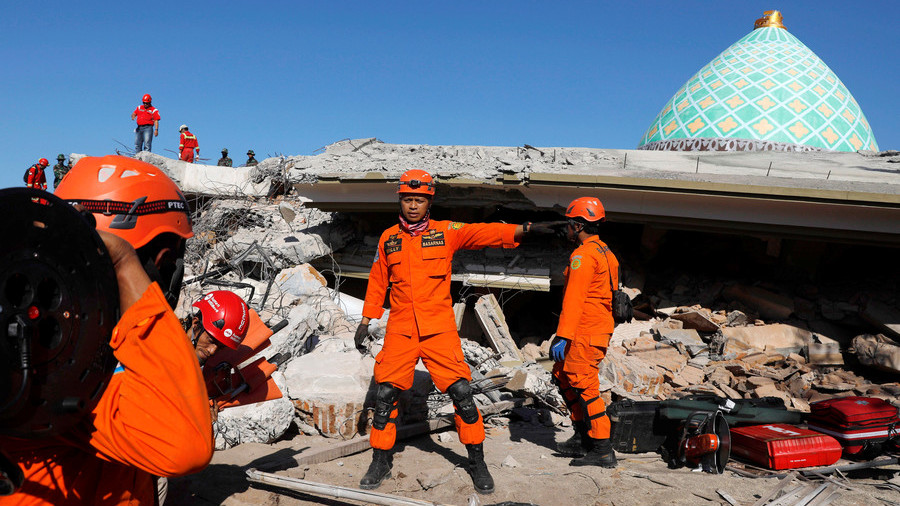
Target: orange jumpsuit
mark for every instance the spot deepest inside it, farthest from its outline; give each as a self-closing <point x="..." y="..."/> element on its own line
<point x="421" y="323"/>
<point x="586" y="321"/>
<point x="153" y="418"/>
<point x="186" y="146"/>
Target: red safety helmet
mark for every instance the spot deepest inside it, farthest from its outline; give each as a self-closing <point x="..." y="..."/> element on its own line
<point x="128" y="197"/>
<point x="44" y="162"/>
<point x="147" y="98"/>
<point x="588" y="208"/>
<point x="416" y="181"/>
<point x="225" y="316"/>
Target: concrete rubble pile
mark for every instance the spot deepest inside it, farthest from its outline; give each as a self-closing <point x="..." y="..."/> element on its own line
<point x="692" y="337"/>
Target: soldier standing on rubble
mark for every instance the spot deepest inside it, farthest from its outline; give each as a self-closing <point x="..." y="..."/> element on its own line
<point x="60" y="170"/>
<point x="582" y="336"/>
<point x="153" y="416"/>
<point x="251" y="161"/>
<point x="224" y="161"/>
<point x="415" y="257"/>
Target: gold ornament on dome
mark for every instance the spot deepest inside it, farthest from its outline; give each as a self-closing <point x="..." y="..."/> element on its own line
<point x="770" y="18"/>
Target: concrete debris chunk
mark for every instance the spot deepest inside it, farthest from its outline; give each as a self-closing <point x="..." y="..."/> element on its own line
<point x="493" y="322"/>
<point x="878" y="351"/>
<point x="782" y="337"/>
<point x="824" y="354"/>
<point x="510" y="462"/>
<point x="696" y="320"/>
<point x="329" y="390"/>
<point x="263" y="422"/>
<point x="432" y="478"/>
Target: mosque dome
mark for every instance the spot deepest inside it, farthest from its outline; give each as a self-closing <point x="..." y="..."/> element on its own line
<point x="767" y="91"/>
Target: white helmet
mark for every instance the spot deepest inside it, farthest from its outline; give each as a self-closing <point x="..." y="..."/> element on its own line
<point x="182" y="127"/>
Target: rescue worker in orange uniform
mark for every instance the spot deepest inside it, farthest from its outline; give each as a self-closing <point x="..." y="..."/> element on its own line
<point x="582" y="336"/>
<point x="415" y="257"/>
<point x="35" y="176"/>
<point x="222" y="319"/>
<point x="187" y="144"/>
<point x="153" y="418"/>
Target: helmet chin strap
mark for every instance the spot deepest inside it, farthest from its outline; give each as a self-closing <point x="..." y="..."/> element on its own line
<point x="169" y="281"/>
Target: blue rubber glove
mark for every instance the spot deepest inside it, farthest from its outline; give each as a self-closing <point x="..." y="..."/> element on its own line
<point x="558" y="349"/>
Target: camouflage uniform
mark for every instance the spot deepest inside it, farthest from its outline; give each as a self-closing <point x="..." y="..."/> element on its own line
<point x="224" y="161"/>
<point x="59" y="170"/>
<point x="251" y="161"/>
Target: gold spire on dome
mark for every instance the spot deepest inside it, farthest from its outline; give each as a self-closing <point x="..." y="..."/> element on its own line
<point x="770" y="18"/>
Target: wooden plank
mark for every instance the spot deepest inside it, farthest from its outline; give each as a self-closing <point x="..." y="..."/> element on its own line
<point x="490" y="317"/>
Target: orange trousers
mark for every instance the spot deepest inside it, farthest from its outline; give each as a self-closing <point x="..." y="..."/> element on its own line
<point x="187" y="154"/>
<point x="579" y="383"/>
<point x="443" y="357"/>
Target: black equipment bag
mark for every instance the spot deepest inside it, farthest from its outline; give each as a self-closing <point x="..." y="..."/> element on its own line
<point x="636" y="426"/>
<point x="737" y="411"/>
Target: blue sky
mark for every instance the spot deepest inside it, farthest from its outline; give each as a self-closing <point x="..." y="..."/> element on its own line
<point x="291" y="77"/>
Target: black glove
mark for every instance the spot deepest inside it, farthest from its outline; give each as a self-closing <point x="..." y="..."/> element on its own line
<point x="547" y="227"/>
<point x="362" y="332"/>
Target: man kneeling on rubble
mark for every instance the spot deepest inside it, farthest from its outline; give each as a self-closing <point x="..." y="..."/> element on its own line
<point x="415" y="256"/>
<point x="582" y="336"/>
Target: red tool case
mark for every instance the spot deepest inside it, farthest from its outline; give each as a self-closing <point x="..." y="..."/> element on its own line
<point x="855" y="421"/>
<point x="783" y="446"/>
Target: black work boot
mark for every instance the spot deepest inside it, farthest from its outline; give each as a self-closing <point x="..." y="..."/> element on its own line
<point x="601" y="454"/>
<point x="481" y="477"/>
<point x="577" y="445"/>
<point x="379" y="469"/>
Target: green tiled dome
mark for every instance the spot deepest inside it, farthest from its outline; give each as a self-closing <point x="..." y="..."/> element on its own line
<point x="766" y="91"/>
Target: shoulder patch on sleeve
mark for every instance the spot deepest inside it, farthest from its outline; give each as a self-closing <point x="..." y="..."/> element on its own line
<point x="576" y="262"/>
<point x="377" y="251"/>
<point x="456" y="225"/>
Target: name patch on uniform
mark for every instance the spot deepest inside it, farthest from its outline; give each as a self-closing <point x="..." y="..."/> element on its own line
<point x="393" y="245"/>
<point x="576" y="262"/>
<point x="433" y="239"/>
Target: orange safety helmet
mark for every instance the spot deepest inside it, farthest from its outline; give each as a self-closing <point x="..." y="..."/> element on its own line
<point x="128" y="197"/>
<point x="588" y="208"/>
<point x="225" y="316"/>
<point x="416" y="181"/>
<point x="147" y="98"/>
<point x="44" y="162"/>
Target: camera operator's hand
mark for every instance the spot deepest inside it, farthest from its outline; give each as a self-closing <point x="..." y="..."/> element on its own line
<point x="133" y="280"/>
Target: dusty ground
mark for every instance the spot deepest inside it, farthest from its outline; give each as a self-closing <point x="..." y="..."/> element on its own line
<point x="540" y="477"/>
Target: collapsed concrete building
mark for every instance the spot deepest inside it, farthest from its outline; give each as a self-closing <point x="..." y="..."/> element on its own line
<point x="761" y="261"/>
<point x="731" y="272"/>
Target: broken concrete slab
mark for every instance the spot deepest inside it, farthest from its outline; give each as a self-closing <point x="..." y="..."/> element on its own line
<point x="493" y="322"/>
<point x="661" y="356"/>
<point x="696" y="320"/>
<point x="630" y="376"/>
<point x="331" y="388"/>
<point x="878" y="351"/>
<point x="784" y="338"/>
<point x="824" y="354"/>
<point x="263" y="422"/>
